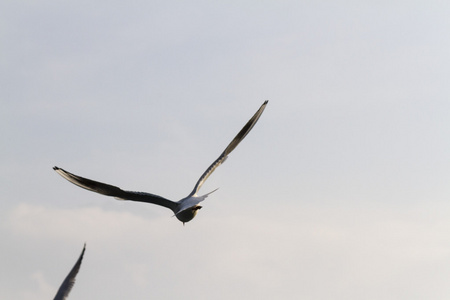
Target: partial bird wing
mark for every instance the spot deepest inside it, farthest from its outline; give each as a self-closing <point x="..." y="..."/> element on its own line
<point x="239" y="137"/>
<point x="68" y="283"/>
<point x="114" y="191"/>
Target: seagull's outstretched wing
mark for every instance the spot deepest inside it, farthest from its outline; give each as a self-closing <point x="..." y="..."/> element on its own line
<point x="68" y="283"/>
<point x="239" y="137"/>
<point x="114" y="191"/>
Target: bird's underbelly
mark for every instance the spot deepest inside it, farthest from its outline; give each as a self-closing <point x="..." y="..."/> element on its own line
<point x="188" y="214"/>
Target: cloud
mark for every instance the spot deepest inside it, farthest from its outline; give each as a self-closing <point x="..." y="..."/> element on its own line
<point x="262" y="251"/>
<point x="43" y="289"/>
<point x="89" y="223"/>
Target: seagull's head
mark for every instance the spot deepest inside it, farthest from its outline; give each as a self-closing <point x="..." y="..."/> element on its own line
<point x="188" y="214"/>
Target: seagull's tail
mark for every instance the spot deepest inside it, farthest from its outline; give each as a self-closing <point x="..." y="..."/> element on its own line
<point x="191" y="202"/>
<point x="206" y="195"/>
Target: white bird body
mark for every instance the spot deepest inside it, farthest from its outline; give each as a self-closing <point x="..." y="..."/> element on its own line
<point x="184" y="209"/>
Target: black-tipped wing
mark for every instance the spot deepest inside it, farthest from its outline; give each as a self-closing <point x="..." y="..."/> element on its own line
<point x="239" y="137"/>
<point x="68" y="283"/>
<point x="114" y="191"/>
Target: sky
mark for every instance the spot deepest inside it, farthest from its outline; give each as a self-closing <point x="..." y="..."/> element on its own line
<point x="341" y="190"/>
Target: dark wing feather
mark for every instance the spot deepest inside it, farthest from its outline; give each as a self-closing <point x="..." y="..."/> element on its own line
<point x="114" y="191"/>
<point x="68" y="283"/>
<point x="238" y="138"/>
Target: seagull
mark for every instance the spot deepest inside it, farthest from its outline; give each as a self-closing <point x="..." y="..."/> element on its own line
<point x="68" y="283"/>
<point x="184" y="209"/>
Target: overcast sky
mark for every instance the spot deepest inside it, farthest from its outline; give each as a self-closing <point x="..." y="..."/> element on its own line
<point x="341" y="191"/>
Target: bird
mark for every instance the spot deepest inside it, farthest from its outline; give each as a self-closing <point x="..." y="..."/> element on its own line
<point x="68" y="283"/>
<point x="186" y="208"/>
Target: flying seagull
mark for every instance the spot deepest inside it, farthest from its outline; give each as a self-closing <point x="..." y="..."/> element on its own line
<point x="68" y="283"/>
<point x="184" y="209"/>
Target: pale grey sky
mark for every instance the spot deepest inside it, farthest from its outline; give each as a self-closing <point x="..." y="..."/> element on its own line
<point x="341" y="191"/>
